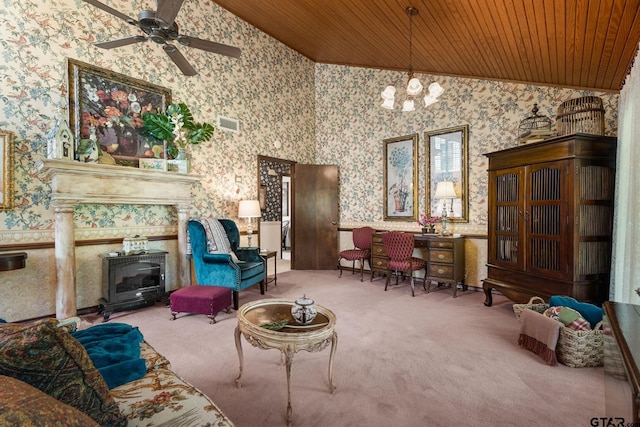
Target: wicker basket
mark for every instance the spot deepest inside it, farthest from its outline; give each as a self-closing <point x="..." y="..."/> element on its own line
<point x="535" y="304"/>
<point x="585" y="115"/>
<point x="576" y="349"/>
<point x="581" y="349"/>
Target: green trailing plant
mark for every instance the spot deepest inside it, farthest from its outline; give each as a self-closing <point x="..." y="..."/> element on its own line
<point x="177" y="127"/>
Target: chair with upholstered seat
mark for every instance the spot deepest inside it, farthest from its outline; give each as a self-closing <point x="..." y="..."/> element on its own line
<point x="399" y="248"/>
<point x="361" y="251"/>
<point x="220" y="261"/>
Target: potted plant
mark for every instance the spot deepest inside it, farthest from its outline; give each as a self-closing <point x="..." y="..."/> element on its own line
<point x="178" y="128"/>
<point x="428" y="223"/>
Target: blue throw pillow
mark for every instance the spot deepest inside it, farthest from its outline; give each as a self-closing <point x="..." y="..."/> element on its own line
<point x="591" y="312"/>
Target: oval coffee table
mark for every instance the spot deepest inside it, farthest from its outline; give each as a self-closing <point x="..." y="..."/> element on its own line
<point x="290" y="339"/>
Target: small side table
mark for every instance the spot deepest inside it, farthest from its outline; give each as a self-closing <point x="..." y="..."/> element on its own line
<point x="289" y="340"/>
<point x="266" y="254"/>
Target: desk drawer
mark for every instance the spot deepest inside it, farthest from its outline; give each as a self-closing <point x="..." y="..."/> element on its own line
<point x="436" y="255"/>
<point x="378" y="250"/>
<point x="440" y="270"/>
<point x="379" y="263"/>
<point x="440" y="244"/>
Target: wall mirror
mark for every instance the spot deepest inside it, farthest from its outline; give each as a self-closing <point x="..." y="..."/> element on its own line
<point x="446" y="163"/>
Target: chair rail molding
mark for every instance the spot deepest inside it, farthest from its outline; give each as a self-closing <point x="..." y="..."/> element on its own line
<point x="74" y="183"/>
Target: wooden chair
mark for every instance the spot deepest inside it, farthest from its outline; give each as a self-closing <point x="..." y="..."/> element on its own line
<point x="399" y="248"/>
<point x="361" y="252"/>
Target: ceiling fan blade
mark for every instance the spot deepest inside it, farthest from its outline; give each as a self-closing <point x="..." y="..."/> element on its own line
<point x="210" y="46"/>
<point x="121" y="42"/>
<point x="179" y="60"/>
<point x="112" y="11"/>
<point x="168" y="10"/>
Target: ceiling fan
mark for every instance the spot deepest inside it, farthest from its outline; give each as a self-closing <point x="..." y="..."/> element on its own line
<point x="159" y="26"/>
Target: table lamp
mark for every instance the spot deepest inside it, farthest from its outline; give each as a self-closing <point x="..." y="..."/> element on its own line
<point x="249" y="209"/>
<point x="445" y="191"/>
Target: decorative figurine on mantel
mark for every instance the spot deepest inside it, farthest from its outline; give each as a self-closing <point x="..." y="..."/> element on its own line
<point x="60" y="141"/>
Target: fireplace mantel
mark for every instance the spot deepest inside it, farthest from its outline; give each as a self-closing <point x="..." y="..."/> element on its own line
<point x="75" y="183"/>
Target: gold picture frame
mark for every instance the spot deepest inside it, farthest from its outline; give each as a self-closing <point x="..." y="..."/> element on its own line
<point x="446" y="154"/>
<point x="401" y="178"/>
<point x="6" y="159"/>
<point x="109" y="106"/>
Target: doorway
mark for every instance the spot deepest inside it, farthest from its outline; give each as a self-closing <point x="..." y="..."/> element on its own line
<point x="275" y="183"/>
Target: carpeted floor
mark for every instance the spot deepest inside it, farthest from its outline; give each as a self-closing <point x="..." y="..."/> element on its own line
<point x="431" y="360"/>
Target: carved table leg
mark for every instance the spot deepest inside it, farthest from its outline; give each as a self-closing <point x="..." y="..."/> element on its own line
<point x="334" y="346"/>
<point x="288" y="352"/>
<point x="240" y="356"/>
<point x="487" y="292"/>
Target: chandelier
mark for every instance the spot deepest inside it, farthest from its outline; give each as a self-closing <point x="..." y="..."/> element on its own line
<point x="414" y="87"/>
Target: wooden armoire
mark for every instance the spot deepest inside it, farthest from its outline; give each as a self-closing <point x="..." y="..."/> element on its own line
<point x="551" y="218"/>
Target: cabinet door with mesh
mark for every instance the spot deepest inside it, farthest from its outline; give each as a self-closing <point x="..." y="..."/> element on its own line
<point x="546" y="218"/>
<point x="505" y="218"/>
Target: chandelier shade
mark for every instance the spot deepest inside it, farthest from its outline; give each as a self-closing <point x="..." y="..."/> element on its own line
<point x="414" y="87"/>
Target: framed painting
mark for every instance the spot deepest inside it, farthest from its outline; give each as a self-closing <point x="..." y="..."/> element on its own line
<point x="447" y="157"/>
<point x="401" y="178"/>
<point x="108" y="107"/>
<point x="6" y="160"/>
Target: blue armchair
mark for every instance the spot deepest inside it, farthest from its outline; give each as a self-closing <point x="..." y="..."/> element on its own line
<point x="215" y="263"/>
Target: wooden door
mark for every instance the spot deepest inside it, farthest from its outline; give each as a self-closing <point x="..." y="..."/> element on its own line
<point x="315" y="217"/>
<point x="546" y="219"/>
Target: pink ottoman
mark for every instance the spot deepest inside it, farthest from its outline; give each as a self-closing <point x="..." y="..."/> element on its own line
<point x="201" y="299"/>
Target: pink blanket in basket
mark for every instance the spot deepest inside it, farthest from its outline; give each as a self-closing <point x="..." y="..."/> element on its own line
<point x="539" y="334"/>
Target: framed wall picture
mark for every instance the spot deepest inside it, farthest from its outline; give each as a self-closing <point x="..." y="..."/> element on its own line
<point x="108" y="106"/>
<point x="446" y="158"/>
<point x="401" y="178"/>
<point x="6" y="160"/>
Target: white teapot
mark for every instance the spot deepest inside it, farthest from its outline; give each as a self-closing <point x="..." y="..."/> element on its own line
<point x="303" y="310"/>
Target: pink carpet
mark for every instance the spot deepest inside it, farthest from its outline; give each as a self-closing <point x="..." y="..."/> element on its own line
<point x="431" y="360"/>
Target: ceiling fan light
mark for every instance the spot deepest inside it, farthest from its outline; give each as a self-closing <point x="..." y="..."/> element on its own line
<point x="435" y="89"/>
<point x="388" y="93"/>
<point x="388" y="104"/>
<point x="408" y="105"/>
<point x="429" y="100"/>
<point x="414" y="87"/>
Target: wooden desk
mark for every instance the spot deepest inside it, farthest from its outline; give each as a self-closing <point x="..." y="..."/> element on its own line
<point x="621" y="357"/>
<point x="445" y="258"/>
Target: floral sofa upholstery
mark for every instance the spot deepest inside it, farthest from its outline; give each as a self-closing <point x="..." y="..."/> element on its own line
<point x="163" y="398"/>
<point x="48" y="378"/>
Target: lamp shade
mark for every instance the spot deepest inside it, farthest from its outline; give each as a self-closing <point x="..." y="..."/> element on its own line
<point x="445" y="190"/>
<point x="388" y="104"/>
<point x="249" y="209"/>
<point x="414" y="87"/>
<point x="388" y="93"/>
<point x="435" y="89"/>
<point x="408" y="105"/>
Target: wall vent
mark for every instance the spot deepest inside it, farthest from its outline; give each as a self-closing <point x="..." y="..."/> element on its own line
<point x="226" y="123"/>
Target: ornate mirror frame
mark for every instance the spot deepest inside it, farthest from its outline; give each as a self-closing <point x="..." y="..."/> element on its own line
<point x="447" y="158"/>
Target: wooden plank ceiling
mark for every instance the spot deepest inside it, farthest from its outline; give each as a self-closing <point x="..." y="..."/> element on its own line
<point x="586" y="44"/>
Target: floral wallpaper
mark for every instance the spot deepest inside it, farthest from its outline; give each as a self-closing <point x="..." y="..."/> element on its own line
<point x="351" y="127"/>
<point x="269" y="89"/>
<point x="323" y="114"/>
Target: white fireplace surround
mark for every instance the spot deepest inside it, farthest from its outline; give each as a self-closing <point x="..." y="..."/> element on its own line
<point x="74" y="183"/>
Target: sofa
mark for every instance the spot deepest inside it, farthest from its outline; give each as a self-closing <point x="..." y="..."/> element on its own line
<point x="48" y="378"/>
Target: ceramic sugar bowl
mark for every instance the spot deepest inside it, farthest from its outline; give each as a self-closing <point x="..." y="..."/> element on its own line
<point x="303" y="310"/>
